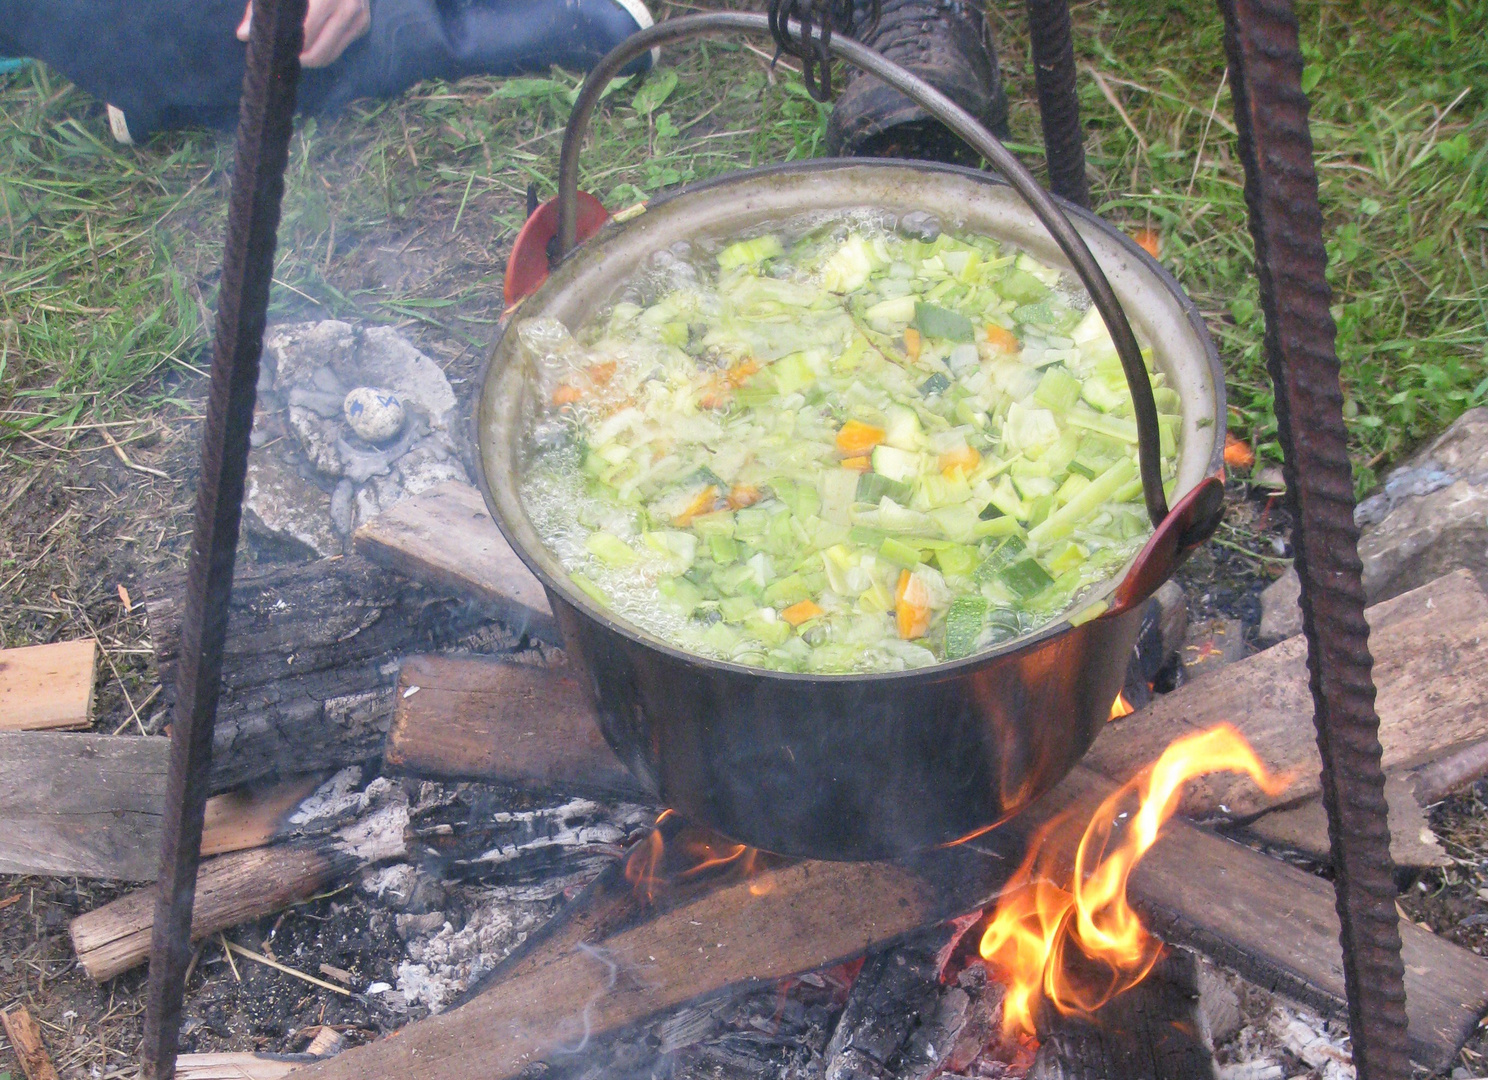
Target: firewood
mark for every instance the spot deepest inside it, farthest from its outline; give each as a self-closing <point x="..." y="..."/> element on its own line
<point x="309" y="664"/>
<point x="519" y="725"/>
<point x="1430" y="669"/>
<point x="47" y="686"/>
<point x="445" y="537"/>
<point x="1433" y="782"/>
<point x="239" y="1066"/>
<point x="1304" y="827"/>
<point x="1151" y="1032"/>
<point x="231" y="889"/>
<point x="90" y="806"/>
<point x="81" y="804"/>
<point x="25" y="1037"/>
<point x="617" y="960"/>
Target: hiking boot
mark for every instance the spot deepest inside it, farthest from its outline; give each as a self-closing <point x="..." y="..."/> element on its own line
<point x="948" y="44"/>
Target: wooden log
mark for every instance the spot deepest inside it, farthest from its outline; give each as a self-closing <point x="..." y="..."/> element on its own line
<point x="90" y="806"/>
<point x="312" y="651"/>
<point x="25" y="1038"/>
<point x="1436" y="780"/>
<point x="239" y="1066"/>
<point x="81" y="804"/>
<point x="46" y="687"/>
<point x="1151" y="1032"/>
<point x="1304" y="827"/>
<point x="519" y="725"/>
<point x="1430" y="668"/>
<point x="1271" y="922"/>
<point x="231" y="889"/>
<point x="445" y="537"/>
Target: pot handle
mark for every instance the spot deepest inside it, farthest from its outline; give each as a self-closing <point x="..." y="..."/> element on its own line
<point x="954" y="117"/>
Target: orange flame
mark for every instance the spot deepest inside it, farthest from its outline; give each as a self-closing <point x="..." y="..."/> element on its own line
<point x="1121" y="707"/>
<point x="1079" y="945"/>
<point x="652" y="867"/>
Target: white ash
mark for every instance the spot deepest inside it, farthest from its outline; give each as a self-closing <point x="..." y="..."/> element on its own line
<point x="445" y="962"/>
<point x="312" y="478"/>
<point x="379" y="836"/>
<point x="576" y="823"/>
<point x="337" y="798"/>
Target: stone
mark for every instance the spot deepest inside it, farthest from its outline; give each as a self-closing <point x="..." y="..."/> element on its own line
<point x="375" y="414"/>
<point x="1281" y="617"/>
<point x="1212" y="644"/>
<point x="1430" y="518"/>
<point x="282" y="505"/>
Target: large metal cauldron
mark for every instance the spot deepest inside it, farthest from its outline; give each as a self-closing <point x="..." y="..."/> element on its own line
<point x="861" y="766"/>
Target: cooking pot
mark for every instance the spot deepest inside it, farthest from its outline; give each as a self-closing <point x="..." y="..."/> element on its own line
<point x="855" y="766"/>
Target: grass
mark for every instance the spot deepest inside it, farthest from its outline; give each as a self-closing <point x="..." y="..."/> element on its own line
<point x="108" y="254"/>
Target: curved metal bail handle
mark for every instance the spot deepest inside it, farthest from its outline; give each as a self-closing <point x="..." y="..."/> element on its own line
<point x="954" y="117"/>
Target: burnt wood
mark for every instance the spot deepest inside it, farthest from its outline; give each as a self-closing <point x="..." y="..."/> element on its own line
<point x="446" y="537"/>
<point x="1430" y="667"/>
<point x="617" y="959"/>
<point x="231" y="889"/>
<point x="310" y="659"/>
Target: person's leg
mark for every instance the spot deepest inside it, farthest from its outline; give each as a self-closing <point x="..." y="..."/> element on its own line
<point x="177" y="63"/>
<point x="163" y="63"/>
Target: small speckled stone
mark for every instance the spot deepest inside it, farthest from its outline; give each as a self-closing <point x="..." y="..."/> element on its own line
<point x="374" y="414"/>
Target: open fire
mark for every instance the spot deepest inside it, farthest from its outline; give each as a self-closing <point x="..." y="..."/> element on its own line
<point x="1069" y="936"/>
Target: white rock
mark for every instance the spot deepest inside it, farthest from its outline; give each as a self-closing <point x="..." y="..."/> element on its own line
<point x="374" y="413"/>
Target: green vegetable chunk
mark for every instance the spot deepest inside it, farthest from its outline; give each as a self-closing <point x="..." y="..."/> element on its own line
<point x="937" y="322"/>
<point x="964" y="625"/>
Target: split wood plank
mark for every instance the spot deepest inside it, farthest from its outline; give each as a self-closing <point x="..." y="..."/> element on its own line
<point x="88" y="805"/>
<point x="25" y="1037"/>
<point x="1304" y="827"/>
<point x="238" y="1066"/>
<point x="1273" y="923"/>
<point x="308" y="667"/>
<point x="446" y="538"/>
<point x="520" y="725"/>
<point x="1430" y="650"/>
<point x="231" y="889"/>
<point x="44" y="687"/>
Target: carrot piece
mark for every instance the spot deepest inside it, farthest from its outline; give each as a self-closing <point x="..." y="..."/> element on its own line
<point x="796" y="614"/>
<point x="567" y="395"/>
<point x="964" y="459"/>
<point x="740" y="372"/>
<point x="1004" y="339"/>
<point x="1149" y="241"/>
<point x="702" y="503"/>
<point x="857" y="438"/>
<point x="912" y="343"/>
<point x="602" y="373"/>
<point x="1237" y="453"/>
<point x="714" y="397"/>
<point x="858" y="464"/>
<point x="911" y="606"/>
<point x="742" y="495"/>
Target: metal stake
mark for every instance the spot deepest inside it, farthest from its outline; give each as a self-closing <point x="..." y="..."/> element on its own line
<point x="1059" y="104"/>
<point x="265" y="123"/>
<point x="1287" y="224"/>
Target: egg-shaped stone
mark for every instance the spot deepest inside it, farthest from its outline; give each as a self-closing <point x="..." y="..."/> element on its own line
<point x="373" y="413"/>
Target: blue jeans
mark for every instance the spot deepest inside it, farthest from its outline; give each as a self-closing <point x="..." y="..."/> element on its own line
<point x="177" y="63"/>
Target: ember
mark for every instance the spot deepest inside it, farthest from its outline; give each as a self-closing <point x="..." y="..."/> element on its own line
<point x="1080" y="944"/>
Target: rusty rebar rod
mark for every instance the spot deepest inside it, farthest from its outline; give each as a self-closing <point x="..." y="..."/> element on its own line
<point x="265" y="123"/>
<point x="1286" y="222"/>
<point x="1059" y="103"/>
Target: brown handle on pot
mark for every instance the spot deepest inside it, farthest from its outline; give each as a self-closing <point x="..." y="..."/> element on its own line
<point x="954" y="117"/>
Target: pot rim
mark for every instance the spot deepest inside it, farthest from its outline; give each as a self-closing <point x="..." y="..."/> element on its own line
<point x="947" y="669"/>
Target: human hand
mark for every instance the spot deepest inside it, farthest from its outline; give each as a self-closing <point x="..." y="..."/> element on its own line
<point x="330" y="26"/>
